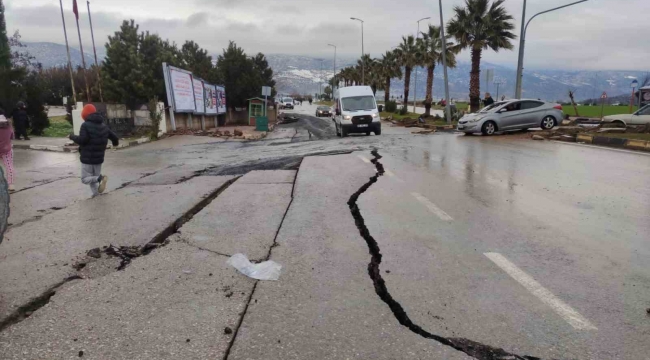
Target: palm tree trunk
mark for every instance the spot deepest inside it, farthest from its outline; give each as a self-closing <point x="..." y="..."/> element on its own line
<point x="387" y="90"/>
<point x="475" y="81"/>
<point x="407" y="83"/>
<point x="429" y="99"/>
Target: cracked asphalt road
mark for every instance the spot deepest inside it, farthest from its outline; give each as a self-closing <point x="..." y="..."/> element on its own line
<point x="501" y="247"/>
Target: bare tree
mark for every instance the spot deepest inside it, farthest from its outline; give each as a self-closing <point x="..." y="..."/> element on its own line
<point x="573" y="101"/>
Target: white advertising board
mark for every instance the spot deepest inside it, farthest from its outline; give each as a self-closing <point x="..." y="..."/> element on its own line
<point x="221" y="100"/>
<point x="210" y="99"/>
<point x="182" y="90"/>
<point x="199" y="96"/>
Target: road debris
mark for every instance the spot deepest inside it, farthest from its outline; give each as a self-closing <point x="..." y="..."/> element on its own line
<point x="267" y="270"/>
<point x="537" y="137"/>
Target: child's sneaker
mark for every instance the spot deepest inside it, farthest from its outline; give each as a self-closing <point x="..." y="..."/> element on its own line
<point x="103" y="179"/>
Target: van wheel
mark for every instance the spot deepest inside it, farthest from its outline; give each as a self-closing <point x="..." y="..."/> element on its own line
<point x="336" y="126"/>
<point x="489" y="128"/>
<point x="367" y="133"/>
<point x="344" y="132"/>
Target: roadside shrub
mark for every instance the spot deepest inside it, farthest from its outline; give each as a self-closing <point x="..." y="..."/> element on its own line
<point x="391" y="106"/>
<point x="403" y="110"/>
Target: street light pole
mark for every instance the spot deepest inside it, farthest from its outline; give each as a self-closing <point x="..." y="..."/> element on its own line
<point x="334" y="46"/>
<point x="444" y="63"/>
<point x="320" y="81"/>
<point x="634" y="84"/>
<point x="415" y="94"/>
<point x="363" y="70"/>
<point x="522" y="42"/>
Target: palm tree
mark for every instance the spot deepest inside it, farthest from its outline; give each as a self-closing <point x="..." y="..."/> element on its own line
<point x="390" y="68"/>
<point x="481" y="26"/>
<point x="372" y="68"/>
<point x="431" y="49"/>
<point x="408" y="56"/>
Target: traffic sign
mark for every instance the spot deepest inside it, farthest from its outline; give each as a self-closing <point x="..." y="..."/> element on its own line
<point x="266" y="91"/>
<point x="604" y="95"/>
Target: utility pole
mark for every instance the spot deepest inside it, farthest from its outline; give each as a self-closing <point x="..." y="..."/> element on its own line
<point x="67" y="47"/>
<point x="92" y="34"/>
<point x="415" y="93"/>
<point x="522" y="42"/>
<point x="444" y="63"/>
<point x="363" y="70"/>
<point x="81" y="47"/>
<point x="337" y="82"/>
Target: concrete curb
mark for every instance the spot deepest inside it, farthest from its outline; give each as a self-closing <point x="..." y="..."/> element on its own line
<point x="47" y="148"/>
<point x="74" y="149"/>
<point x="631" y="144"/>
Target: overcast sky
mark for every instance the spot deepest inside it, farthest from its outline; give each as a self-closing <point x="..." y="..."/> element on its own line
<point x="596" y="35"/>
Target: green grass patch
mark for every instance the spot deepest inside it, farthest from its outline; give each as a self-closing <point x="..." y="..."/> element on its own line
<point x="59" y="127"/>
<point x="594" y="111"/>
<point x="626" y="136"/>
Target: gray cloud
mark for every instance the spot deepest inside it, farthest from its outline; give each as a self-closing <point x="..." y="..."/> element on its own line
<point x="600" y="34"/>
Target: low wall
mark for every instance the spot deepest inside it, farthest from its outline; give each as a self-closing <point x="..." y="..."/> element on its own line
<point x="118" y="115"/>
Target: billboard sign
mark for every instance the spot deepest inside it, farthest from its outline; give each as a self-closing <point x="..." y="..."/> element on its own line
<point x="210" y="99"/>
<point x="182" y="90"/>
<point x="221" y="100"/>
<point x="199" y="96"/>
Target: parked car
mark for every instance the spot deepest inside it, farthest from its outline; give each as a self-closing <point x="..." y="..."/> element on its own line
<point x="356" y="111"/>
<point x="512" y="115"/>
<point x="287" y="103"/>
<point x="323" y="111"/>
<point x="641" y="117"/>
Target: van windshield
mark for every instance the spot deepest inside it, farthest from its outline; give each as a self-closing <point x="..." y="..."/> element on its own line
<point x="356" y="103"/>
<point x="287" y="100"/>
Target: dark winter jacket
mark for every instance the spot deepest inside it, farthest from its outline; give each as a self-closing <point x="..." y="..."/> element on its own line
<point x="20" y="118"/>
<point x="488" y="101"/>
<point x="93" y="138"/>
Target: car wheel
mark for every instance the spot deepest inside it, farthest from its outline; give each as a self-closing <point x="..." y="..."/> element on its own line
<point x="548" y="123"/>
<point x="489" y="128"/>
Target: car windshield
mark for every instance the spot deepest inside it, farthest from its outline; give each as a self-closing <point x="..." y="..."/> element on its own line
<point x="493" y="107"/>
<point x="644" y="110"/>
<point x="323" y="108"/>
<point x="355" y="103"/>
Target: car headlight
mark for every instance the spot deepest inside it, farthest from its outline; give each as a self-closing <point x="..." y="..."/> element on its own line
<point x="347" y="117"/>
<point x="476" y="119"/>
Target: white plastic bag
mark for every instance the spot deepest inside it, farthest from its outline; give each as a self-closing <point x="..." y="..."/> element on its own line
<point x="268" y="270"/>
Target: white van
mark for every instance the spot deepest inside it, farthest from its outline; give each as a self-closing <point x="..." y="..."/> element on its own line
<point x="287" y="103"/>
<point x="355" y="111"/>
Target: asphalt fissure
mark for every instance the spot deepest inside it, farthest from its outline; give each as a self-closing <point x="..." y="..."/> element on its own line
<point x="469" y="347"/>
<point x="268" y="256"/>
<point x="128" y="253"/>
<point x="25" y="311"/>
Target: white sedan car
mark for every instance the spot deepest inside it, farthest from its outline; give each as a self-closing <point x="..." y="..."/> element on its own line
<point x="640" y="117"/>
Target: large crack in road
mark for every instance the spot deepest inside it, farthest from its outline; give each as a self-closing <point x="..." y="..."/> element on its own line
<point x="469" y="347"/>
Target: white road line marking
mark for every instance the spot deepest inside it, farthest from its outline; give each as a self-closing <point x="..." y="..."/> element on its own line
<point x="365" y="159"/>
<point x="565" y="311"/>
<point x="432" y="207"/>
<point x="392" y="176"/>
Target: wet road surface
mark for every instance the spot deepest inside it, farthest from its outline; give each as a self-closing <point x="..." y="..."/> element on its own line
<point x="535" y="248"/>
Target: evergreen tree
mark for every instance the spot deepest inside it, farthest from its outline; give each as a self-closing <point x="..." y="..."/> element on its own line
<point x="5" y="50"/>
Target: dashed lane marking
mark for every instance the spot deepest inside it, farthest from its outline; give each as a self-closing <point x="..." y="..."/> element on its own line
<point x="432" y="207"/>
<point x="365" y="159"/>
<point x="565" y="311"/>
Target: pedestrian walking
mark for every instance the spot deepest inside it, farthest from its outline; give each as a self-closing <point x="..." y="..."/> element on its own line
<point x="6" y="151"/>
<point x="21" y="120"/>
<point x="93" y="138"/>
<point x="488" y="100"/>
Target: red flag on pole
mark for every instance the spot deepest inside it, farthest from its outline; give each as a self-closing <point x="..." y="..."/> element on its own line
<point x="74" y="9"/>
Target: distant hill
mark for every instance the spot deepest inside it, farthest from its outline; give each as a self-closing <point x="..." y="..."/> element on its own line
<point x="302" y="73"/>
<point x="54" y="55"/>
